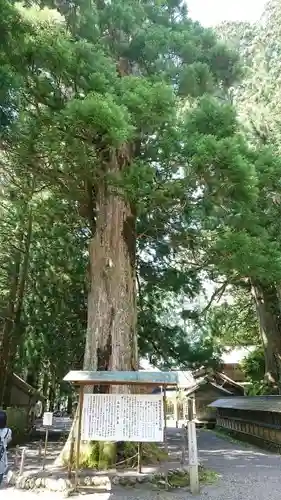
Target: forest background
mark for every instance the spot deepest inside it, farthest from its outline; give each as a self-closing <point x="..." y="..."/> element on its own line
<point x="140" y="190"/>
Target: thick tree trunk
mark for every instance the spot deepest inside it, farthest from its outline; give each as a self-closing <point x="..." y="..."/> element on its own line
<point x="269" y="313"/>
<point x="111" y="341"/>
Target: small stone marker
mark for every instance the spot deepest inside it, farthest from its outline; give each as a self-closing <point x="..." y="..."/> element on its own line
<point x="192" y="449"/>
<point x="193" y="458"/>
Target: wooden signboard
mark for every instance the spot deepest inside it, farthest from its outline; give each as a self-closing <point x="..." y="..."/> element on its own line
<point x="123" y="417"/>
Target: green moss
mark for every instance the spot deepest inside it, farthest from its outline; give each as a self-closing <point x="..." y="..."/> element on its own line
<point x="207" y="476"/>
<point x="181" y="479"/>
<point x="89" y="455"/>
<point x="126" y="454"/>
<point x="94" y="455"/>
<point x="152" y="454"/>
<point x="178" y="479"/>
<point x="106" y="455"/>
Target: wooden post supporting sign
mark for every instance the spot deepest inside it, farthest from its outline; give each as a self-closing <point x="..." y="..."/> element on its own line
<point x="78" y="437"/>
<point x="184" y="445"/>
<point x="40" y="449"/>
<point x="85" y="379"/>
<point x="139" y="458"/>
<point x="47" y="423"/>
<point x="71" y="454"/>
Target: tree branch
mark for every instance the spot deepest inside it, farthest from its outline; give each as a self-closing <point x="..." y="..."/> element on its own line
<point x="216" y="296"/>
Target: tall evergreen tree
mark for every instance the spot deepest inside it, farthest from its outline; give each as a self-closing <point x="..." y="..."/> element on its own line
<point x="122" y="111"/>
<point x="250" y="246"/>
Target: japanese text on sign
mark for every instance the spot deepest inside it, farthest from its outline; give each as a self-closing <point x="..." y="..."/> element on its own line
<point x="122" y="417"/>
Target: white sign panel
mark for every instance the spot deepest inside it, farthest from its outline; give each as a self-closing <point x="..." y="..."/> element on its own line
<point x="47" y="419"/>
<point x="122" y="417"/>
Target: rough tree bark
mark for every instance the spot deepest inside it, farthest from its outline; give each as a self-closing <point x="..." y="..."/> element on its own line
<point x="111" y="341"/>
<point x="268" y="306"/>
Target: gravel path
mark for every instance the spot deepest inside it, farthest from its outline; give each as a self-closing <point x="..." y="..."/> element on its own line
<point x="246" y="473"/>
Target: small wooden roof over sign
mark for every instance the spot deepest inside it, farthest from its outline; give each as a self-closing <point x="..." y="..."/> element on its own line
<point x="122" y="378"/>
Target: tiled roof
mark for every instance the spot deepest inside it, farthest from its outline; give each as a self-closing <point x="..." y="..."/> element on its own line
<point x="255" y="403"/>
<point x="25" y="387"/>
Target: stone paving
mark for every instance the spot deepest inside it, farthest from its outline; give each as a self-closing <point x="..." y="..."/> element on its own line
<point x="246" y="473"/>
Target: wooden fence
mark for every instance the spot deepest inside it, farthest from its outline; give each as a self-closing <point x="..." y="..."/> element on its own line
<point x="253" y="419"/>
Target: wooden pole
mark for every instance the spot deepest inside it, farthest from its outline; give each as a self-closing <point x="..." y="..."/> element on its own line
<point x="165" y="433"/>
<point x="40" y="450"/>
<point x="184" y="444"/>
<point x="139" y="458"/>
<point x="45" y="447"/>
<point x="72" y="444"/>
<point x="17" y="454"/>
<point x="193" y="459"/>
<point x="78" y="437"/>
<point x="22" y="462"/>
<point x="190" y="409"/>
<point x="176" y="410"/>
<point x="192" y="450"/>
<point x="194" y="407"/>
<point x="71" y="454"/>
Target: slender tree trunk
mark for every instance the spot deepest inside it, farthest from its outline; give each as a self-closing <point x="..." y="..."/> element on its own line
<point x="16" y="332"/>
<point x="8" y="324"/>
<point x="269" y="314"/>
<point x="52" y="391"/>
<point x="69" y="405"/>
<point x="45" y="385"/>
